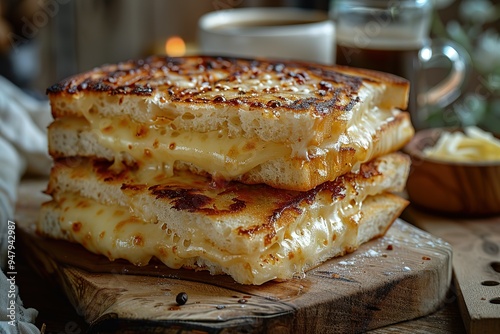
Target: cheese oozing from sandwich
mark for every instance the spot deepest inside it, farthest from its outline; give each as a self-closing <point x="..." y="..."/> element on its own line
<point x="184" y="222"/>
<point x="158" y="146"/>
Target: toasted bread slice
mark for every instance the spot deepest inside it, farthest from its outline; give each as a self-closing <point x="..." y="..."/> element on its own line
<point x="254" y="233"/>
<point x="294" y="102"/>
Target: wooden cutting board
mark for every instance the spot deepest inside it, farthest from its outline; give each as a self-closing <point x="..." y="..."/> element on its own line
<point x="476" y="265"/>
<point x="399" y="277"/>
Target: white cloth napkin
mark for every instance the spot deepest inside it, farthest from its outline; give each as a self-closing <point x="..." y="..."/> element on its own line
<point x="23" y="149"/>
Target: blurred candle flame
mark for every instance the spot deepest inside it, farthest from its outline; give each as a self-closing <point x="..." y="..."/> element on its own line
<point x="175" y="46"/>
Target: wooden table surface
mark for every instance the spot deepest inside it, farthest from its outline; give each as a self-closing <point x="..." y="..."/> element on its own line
<point x="57" y="315"/>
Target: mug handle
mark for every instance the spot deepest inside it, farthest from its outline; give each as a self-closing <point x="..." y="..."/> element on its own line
<point x="437" y="53"/>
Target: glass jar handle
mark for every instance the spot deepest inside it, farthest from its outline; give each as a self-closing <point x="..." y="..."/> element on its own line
<point x="438" y="53"/>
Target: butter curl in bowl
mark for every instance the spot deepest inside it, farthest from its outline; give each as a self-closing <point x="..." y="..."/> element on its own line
<point x="455" y="171"/>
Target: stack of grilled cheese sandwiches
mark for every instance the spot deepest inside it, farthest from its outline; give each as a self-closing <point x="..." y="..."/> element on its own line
<point x="256" y="168"/>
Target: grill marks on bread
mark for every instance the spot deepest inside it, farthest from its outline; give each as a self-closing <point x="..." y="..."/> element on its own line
<point x="282" y="86"/>
<point x="202" y="196"/>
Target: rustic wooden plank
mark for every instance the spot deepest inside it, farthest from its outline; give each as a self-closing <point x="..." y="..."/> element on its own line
<point x="476" y="265"/>
<point x="444" y="321"/>
<point x="401" y="276"/>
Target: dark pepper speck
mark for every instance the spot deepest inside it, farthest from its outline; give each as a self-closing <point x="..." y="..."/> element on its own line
<point x="181" y="298"/>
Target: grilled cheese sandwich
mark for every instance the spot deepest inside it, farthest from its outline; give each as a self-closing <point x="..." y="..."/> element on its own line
<point x="259" y="169"/>
<point x="255" y="233"/>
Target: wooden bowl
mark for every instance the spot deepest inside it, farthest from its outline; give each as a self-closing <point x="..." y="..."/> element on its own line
<point x="458" y="188"/>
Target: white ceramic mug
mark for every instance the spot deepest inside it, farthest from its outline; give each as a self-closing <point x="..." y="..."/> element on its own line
<point x="282" y="33"/>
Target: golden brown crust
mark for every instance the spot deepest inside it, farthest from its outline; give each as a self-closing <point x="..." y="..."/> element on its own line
<point x="397" y="88"/>
<point x="231" y="81"/>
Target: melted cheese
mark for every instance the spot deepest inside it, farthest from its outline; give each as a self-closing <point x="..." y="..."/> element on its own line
<point x="472" y="145"/>
<point x="159" y="146"/>
<point x="113" y="231"/>
<point x="213" y="151"/>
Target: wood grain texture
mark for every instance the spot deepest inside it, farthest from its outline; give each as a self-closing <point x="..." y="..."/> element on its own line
<point x="445" y="321"/>
<point x="476" y="265"/>
<point x="401" y="276"/>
